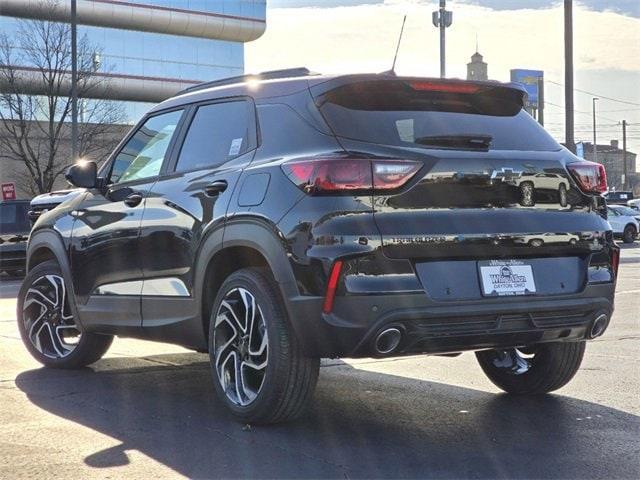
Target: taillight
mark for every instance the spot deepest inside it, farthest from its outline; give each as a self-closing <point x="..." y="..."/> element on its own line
<point x="350" y="175"/>
<point x="591" y="177"/>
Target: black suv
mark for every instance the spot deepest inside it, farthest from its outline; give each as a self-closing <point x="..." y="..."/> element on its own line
<point x="278" y="219"/>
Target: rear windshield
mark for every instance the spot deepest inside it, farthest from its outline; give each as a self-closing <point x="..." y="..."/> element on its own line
<point x="407" y="113"/>
<point x="13" y="218"/>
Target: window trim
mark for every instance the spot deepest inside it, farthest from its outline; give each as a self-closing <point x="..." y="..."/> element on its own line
<point x="108" y="165"/>
<point x="188" y="120"/>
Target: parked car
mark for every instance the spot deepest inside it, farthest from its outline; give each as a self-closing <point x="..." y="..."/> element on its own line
<point x="14" y="233"/>
<point x="634" y="204"/>
<point x="554" y="182"/>
<point x="537" y="240"/>
<point x="275" y="220"/>
<point x="48" y="201"/>
<point x="618" y="198"/>
<point x="624" y="221"/>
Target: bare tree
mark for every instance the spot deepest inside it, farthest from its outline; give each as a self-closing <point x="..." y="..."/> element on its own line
<point x="35" y="129"/>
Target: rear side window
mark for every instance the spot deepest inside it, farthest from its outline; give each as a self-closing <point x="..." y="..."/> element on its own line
<point x="418" y="114"/>
<point x="218" y="133"/>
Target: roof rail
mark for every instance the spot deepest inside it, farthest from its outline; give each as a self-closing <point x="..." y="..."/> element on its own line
<point x="270" y="75"/>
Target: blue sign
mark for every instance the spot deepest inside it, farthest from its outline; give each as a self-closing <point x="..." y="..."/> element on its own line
<point x="529" y="80"/>
<point x="580" y="149"/>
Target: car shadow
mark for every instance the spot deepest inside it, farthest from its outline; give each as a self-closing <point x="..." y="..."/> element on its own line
<point x="363" y="424"/>
<point x="624" y="259"/>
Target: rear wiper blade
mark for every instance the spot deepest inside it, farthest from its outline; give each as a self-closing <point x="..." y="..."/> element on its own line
<point x="464" y="140"/>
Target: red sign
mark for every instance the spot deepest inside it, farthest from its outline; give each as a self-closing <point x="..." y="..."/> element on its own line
<point x="8" y="191"/>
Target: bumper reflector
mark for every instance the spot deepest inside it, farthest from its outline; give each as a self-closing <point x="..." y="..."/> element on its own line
<point x="615" y="260"/>
<point x="330" y="294"/>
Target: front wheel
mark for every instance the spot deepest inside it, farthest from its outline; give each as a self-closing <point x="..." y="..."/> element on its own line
<point x="47" y="325"/>
<point x="259" y="370"/>
<point x="533" y="370"/>
<point x="629" y="234"/>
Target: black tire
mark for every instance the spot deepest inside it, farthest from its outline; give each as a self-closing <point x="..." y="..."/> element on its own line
<point x="284" y="388"/>
<point x="629" y="234"/>
<point x="528" y="191"/>
<point x="550" y="367"/>
<point x="89" y="348"/>
<point x="562" y="194"/>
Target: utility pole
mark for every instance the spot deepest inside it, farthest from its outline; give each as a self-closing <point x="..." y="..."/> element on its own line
<point x="442" y="19"/>
<point x="595" y="144"/>
<point x="74" y="83"/>
<point x="568" y="75"/>
<point x="624" y="154"/>
<point x="541" y="101"/>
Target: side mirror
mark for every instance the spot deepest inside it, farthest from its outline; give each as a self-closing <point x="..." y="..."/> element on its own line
<point x="83" y="174"/>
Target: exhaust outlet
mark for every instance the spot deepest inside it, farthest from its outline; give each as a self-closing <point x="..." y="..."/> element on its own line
<point x="598" y="326"/>
<point x="387" y="340"/>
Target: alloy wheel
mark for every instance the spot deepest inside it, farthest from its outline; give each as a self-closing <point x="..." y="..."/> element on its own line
<point x="240" y="346"/>
<point x="47" y="318"/>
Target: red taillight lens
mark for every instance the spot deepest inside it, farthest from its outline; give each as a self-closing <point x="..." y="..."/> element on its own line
<point x="591" y="177"/>
<point x="445" y="87"/>
<point x="332" y="286"/>
<point x="350" y="175"/>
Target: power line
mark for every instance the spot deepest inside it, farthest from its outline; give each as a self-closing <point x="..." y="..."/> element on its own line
<point x="622" y="110"/>
<point x="597" y="95"/>
<point x="546" y="102"/>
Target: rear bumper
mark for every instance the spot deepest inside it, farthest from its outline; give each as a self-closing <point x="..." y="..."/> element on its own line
<point x="445" y="327"/>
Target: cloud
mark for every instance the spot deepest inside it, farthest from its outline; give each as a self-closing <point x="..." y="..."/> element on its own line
<point x="627" y="7"/>
<point x="362" y="38"/>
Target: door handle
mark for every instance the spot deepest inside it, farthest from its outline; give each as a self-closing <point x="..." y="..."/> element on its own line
<point x="133" y="199"/>
<point x="215" y="188"/>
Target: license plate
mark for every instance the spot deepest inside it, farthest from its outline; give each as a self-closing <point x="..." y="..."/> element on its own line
<point x="506" y="277"/>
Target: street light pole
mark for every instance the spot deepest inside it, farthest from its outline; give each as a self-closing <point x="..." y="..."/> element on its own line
<point x="595" y="144"/>
<point x="74" y="83"/>
<point x="442" y="19"/>
<point x="443" y="51"/>
<point x="568" y="75"/>
<point x="625" y="182"/>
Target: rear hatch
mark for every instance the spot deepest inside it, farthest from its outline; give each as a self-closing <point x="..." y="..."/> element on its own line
<point x="492" y="185"/>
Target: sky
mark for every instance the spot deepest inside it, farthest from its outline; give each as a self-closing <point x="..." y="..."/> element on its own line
<point x="347" y="36"/>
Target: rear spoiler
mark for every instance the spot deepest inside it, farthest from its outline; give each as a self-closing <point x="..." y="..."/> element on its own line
<point x="322" y="84"/>
<point x="349" y="89"/>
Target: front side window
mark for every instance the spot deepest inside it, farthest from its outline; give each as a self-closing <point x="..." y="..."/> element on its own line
<point x="218" y="133"/>
<point x="144" y="153"/>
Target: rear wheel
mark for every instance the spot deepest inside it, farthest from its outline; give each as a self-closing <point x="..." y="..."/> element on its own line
<point x="46" y="323"/>
<point x="259" y="370"/>
<point x="562" y="194"/>
<point x="629" y="234"/>
<point x="534" y="370"/>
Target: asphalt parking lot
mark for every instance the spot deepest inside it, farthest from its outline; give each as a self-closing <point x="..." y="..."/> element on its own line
<point x="148" y="411"/>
